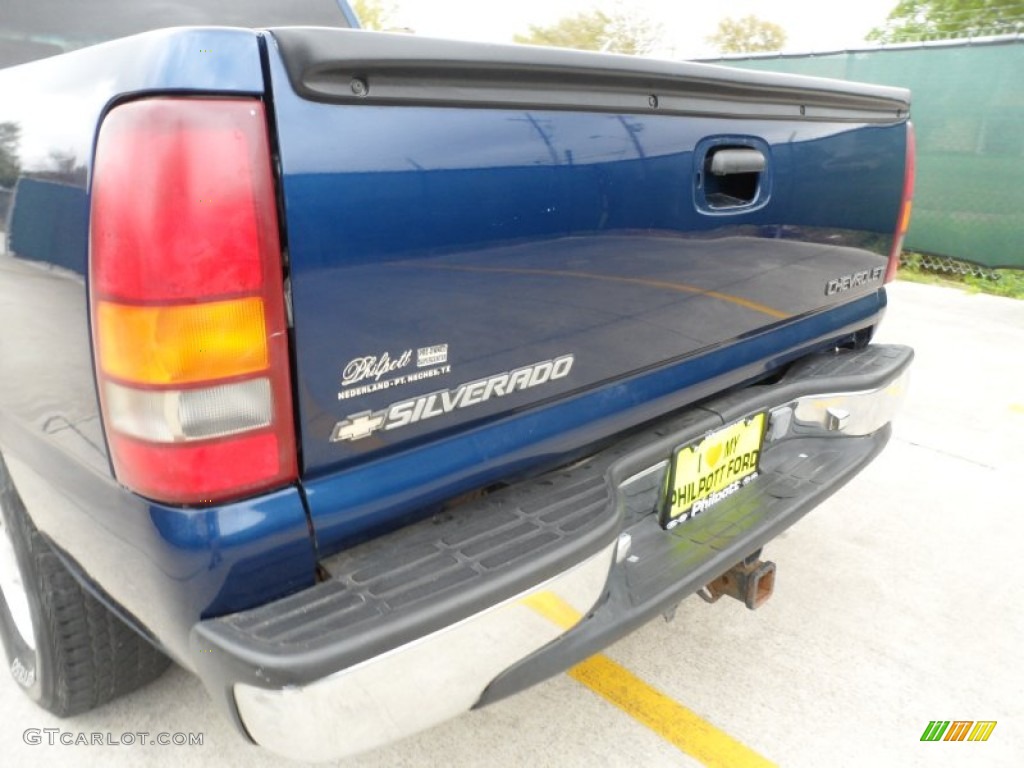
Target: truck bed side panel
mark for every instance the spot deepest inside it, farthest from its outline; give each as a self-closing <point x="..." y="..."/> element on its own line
<point x="165" y="566"/>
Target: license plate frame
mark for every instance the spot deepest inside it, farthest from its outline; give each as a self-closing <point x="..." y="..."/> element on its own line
<point x="708" y="470"/>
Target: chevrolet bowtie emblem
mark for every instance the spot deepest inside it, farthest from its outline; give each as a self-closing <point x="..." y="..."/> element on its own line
<point x="357" y="426"/>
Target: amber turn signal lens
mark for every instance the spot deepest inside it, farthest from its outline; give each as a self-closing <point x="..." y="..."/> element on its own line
<point x="169" y="345"/>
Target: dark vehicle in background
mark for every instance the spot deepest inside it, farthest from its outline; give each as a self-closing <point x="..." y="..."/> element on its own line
<point x="374" y="378"/>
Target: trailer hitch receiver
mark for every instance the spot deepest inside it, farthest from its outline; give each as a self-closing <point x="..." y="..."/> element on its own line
<point x="751" y="582"/>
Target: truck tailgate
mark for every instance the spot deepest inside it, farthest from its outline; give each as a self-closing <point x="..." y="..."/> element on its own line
<point x="499" y="256"/>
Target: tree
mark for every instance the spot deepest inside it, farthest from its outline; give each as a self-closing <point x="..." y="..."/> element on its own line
<point x="374" y="14"/>
<point x="914" y="20"/>
<point x="748" y="35"/>
<point x="585" y="31"/>
<point x="621" y="31"/>
<point x="9" y="167"/>
<point x="632" y="32"/>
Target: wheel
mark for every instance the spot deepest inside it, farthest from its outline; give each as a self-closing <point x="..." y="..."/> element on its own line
<point x="65" y="649"/>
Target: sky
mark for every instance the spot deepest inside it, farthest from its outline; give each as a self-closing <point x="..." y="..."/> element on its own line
<point x="810" y="26"/>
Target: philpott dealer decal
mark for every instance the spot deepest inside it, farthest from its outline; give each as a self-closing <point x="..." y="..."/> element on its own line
<point x="416" y="409"/>
<point x="373" y="373"/>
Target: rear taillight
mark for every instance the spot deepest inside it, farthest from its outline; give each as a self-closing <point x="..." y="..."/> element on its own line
<point x="187" y="301"/>
<point x="903" y="221"/>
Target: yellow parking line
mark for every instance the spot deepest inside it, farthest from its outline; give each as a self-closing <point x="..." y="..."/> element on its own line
<point x="681" y="727"/>
<point x="1017" y="407"/>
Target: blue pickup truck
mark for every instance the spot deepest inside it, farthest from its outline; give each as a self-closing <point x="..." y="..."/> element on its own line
<point x="375" y="378"/>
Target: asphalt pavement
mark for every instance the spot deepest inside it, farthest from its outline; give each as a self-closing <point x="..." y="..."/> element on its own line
<point x="898" y="602"/>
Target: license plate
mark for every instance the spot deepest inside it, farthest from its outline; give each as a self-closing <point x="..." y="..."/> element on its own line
<point x="706" y="472"/>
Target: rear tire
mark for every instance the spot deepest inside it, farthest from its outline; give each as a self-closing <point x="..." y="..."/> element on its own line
<point x="65" y="649"/>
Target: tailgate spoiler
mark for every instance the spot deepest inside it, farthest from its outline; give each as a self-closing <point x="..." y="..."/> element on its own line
<point x="354" y="66"/>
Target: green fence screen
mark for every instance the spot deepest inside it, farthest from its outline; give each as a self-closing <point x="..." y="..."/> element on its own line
<point x="968" y="112"/>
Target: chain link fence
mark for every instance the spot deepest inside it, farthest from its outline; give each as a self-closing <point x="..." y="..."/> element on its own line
<point x="944" y="265"/>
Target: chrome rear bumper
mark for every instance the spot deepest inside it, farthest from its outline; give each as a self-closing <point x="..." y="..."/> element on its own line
<point x="417" y="685"/>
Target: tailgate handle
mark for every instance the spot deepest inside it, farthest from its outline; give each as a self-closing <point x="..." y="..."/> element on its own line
<point x="729" y="161"/>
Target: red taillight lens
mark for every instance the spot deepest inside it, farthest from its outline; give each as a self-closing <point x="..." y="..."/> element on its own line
<point x="903" y="221"/>
<point x="187" y="301"/>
